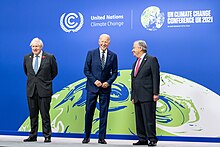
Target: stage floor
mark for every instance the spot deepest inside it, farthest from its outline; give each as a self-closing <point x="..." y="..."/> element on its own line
<point x="17" y="141"/>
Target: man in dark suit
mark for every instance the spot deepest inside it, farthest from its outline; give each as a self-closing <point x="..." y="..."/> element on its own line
<point x="101" y="69"/>
<point x="145" y="93"/>
<point x="40" y="68"/>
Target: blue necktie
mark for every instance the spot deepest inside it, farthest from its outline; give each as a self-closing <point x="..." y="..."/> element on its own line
<point x="36" y="64"/>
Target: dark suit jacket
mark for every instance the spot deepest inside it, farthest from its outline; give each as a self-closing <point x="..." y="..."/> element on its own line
<point x="93" y="70"/>
<point x="43" y="79"/>
<point x="147" y="81"/>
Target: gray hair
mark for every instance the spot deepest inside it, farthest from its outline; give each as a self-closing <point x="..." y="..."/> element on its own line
<point x="38" y="41"/>
<point x="105" y="35"/>
<point x="142" y="44"/>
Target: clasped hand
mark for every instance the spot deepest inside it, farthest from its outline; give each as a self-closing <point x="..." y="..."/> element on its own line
<point x="100" y="84"/>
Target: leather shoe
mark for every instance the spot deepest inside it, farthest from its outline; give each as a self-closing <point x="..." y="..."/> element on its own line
<point x="30" y="139"/>
<point x="102" y="141"/>
<point x="47" y="139"/>
<point x="86" y="140"/>
<point x="141" y="143"/>
<point x="152" y="143"/>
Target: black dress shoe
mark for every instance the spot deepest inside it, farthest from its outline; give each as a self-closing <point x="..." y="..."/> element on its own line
<point x="30" y="139"/>
<point x="47" y="139"/>
<point x="141" y="143"/>
<point x="152" y="143"/>
<point x="102" y="141"/>
<point x="86" y="140"/>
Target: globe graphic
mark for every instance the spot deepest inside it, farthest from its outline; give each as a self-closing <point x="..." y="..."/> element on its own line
<point x="152" y="19"/>
<point x="185" y="108"/>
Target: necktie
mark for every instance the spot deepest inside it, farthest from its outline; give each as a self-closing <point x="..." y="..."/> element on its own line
<point x="103" y="59"/>
<point x="36" y="64"/>
<point x="137" y="67"/>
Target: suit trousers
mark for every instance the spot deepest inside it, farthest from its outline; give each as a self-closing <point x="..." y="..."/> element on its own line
<point x="91" y="100"/>
<point x="35" y="105"/>
<point x="145" y="113"/>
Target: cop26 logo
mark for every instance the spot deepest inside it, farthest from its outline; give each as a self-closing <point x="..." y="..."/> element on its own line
<point x="71" y="22"/>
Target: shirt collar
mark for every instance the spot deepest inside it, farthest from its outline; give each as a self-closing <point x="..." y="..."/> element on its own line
<point x="100" y="50"/>
<point x="142" y="56"/>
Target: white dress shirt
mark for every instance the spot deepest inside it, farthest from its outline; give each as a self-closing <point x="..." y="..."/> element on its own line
<point x="104" y="54"/>
<point x="140" y="60"/>
<point x="39" y="59"/>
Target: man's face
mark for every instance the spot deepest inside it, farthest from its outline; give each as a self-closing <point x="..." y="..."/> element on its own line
<point x="136" y="50"/>
<point x="36" y="48"/>
<point x="104" y="42"/>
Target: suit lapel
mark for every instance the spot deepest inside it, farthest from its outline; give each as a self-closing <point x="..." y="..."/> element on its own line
<point x="133" y="68"/>
<point x="43" y="59"/>
<point x="107" y="58"/>
<point x="30" y="62"/>
<point x="97" y="55"/>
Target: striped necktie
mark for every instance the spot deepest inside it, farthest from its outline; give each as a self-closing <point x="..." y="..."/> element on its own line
<point x="103" y="60"/>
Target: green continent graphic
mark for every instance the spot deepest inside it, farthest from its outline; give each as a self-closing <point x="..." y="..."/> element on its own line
<point x="172" y="109"/>
<point x="152" y="19"/>
<point x="68" y="108"/>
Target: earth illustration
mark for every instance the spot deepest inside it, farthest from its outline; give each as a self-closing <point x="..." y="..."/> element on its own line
<point x="184" y="108"/>
<point x="152" y="19"/>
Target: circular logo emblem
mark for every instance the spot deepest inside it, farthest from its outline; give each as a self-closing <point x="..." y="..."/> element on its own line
<point x="71" y="22"/>
<point x="152" y="19"/>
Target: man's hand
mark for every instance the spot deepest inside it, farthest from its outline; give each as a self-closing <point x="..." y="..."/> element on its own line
<point x="98" y="83"/>
<point x="132" y="101"/>
<point x="105" y="85"/>
<point x="156" y="97"/>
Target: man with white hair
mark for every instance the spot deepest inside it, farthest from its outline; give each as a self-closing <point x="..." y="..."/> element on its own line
<point x="40" y="68"/>
<point x="145" y="89"/>
<point x="101" y="70"/>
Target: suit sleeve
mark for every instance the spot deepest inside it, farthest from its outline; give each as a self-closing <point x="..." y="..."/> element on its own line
<point x="114" y="70"/>
<point x="24" y="65"/>
<point x="156" y="76"/>
<point x="87" y="68"/>
<point x="54" y="69"/>
<point x="132" y="74"/>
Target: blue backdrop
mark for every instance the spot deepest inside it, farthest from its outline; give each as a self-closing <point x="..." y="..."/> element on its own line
<point x="189" y="50"/>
